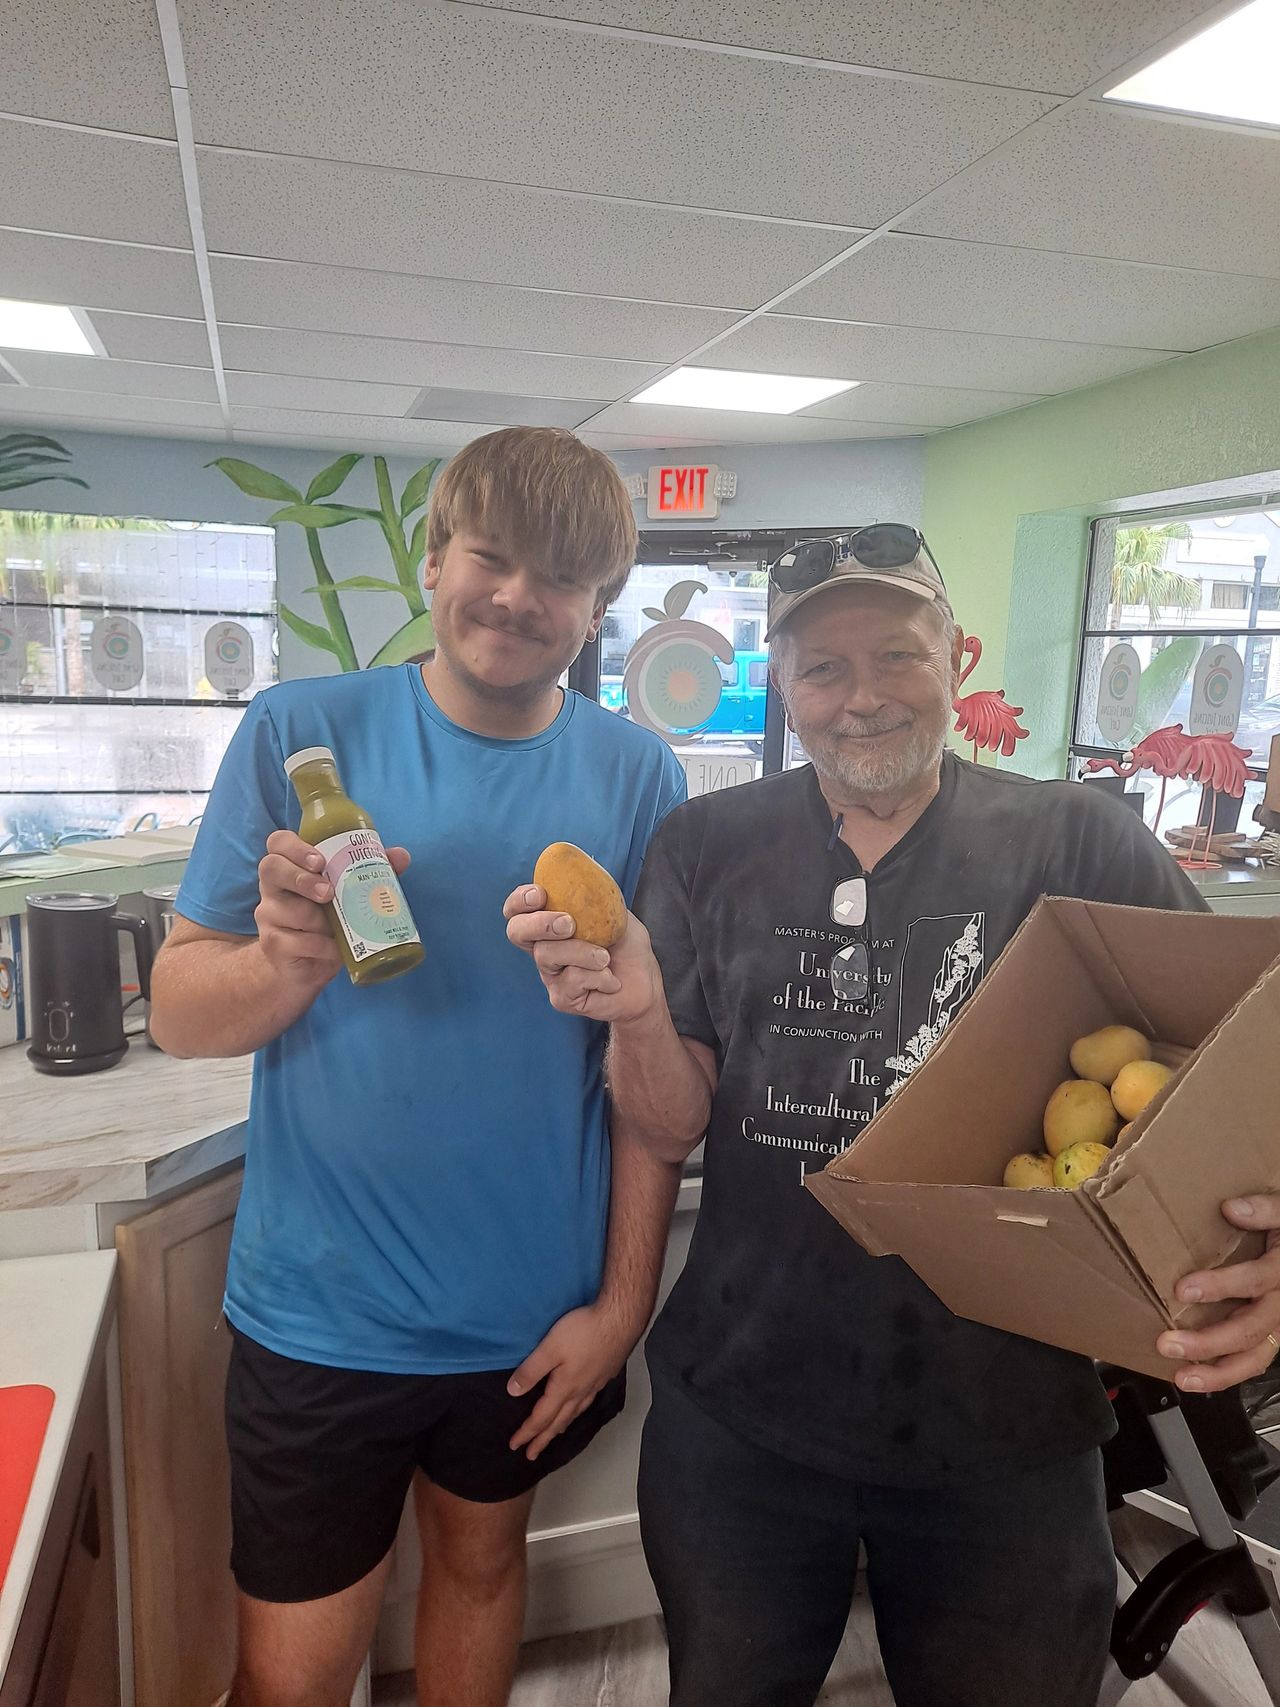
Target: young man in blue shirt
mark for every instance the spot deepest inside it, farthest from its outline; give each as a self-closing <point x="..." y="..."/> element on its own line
<point x="420" y="1286"/>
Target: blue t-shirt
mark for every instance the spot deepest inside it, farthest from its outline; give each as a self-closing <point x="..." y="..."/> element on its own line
<point x="427" y="1177"/>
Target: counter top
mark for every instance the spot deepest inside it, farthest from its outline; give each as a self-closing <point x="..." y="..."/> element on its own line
<point x="51" y="1312"/>
<point x="92" y="877"/>
<point x="1231" y="878"/>
<point x="130" y="1132"/>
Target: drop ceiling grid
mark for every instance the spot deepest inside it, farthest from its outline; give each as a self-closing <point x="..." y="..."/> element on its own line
<point x="380" y="240"/>
<point x="1009" y="42"/>
<point x="509" y="100"/>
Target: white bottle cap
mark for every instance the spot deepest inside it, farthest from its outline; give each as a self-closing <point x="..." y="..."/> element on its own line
<point x="306" y="756"/>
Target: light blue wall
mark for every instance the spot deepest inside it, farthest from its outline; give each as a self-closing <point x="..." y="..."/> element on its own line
<point x="169" y="478"/>
<point x="816" y="485"/>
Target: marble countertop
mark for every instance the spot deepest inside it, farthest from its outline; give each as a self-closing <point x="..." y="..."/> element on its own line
<point x="51" y="1312"/>
<point x="131" y="1132"/>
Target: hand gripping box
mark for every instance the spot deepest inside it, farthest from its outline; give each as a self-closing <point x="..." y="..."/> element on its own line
<point x="1094" y="1269"/>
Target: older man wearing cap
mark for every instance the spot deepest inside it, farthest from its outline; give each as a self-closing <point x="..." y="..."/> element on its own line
<point x="812" y="936"/>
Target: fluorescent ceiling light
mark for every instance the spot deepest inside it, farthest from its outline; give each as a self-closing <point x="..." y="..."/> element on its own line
<point x="754" y="393"/>
<point x="42" y="326"/>
<point x="1227" y="72"/>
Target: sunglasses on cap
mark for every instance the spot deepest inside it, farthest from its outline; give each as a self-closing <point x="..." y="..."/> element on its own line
<point x="882" y="545"/>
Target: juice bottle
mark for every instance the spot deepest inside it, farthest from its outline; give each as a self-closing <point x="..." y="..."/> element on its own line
<point x="371" y="921"/>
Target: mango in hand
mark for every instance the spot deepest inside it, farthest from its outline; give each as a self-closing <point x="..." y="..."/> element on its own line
<point x="576" y="885"/>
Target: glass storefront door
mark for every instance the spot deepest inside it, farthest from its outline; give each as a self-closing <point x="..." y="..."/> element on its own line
<point x="683" y="652"/>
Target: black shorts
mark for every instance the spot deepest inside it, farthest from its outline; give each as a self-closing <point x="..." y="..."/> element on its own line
<point x="322" y="1459"/>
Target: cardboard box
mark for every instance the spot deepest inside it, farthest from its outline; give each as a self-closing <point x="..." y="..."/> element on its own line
<point x="1092" y="1270"/>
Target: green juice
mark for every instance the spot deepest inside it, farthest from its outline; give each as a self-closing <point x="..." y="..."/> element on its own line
<point x="369" y="916"/>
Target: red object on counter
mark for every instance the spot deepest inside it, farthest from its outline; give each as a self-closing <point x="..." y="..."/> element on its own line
<point x="24" y="1418"/>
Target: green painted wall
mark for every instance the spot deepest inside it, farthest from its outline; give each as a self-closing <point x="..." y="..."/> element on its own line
<point x="1007" y="502"/>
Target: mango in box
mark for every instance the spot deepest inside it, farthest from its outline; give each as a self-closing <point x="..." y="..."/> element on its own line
<point x="1029" y="1171"/>
<point x="1103" y="1054"/>
<point x="576" y="885"/>
<point x="1079" y="1112"/>
<point x="1137" y="1084"/>
<point x="1079" y="1163"/>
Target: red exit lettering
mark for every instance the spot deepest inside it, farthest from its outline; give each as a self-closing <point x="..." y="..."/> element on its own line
<point x="682" y="491"/>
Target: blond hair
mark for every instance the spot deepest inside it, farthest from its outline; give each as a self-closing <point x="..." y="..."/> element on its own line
<point x="550" y="499"/>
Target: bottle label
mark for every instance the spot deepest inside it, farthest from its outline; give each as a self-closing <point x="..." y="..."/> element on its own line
<point x="367" y="896"/>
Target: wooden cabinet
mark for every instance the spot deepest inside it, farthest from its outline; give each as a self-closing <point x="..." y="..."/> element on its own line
<point x="66" y="1652"/>
<point x="174" y="1347"/>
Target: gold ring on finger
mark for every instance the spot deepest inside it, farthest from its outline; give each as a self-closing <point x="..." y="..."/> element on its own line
<point x="1273" y="1342"/>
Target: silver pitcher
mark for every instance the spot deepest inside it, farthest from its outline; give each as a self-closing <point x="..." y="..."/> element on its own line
<point x="157" y="910"/>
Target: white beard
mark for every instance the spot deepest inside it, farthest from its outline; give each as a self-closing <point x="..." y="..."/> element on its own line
<point x="888" y="771"/>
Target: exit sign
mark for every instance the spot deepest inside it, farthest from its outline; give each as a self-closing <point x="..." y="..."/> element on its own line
<point x="689" y="492"/>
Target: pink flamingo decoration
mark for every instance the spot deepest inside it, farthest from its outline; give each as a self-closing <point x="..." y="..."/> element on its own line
<point x="1165" y="752"/>
<point x="1214" y="761"/>
<point x="1218" y="764"/>
<point x="987" y="719"/>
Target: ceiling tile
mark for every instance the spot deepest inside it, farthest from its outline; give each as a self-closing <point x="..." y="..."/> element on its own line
<point x="612" y="442"/>
<point x="332" y="299"/>
<point x="911" y="355"/>
<point x="149" y="338"/>
<point x="121" y="414"/>
<point x="90" y="186"/>
<point x="435" y="403"/>
<point x="358" y="432"/>
<point x="336" y="355"/>
<point x="340" y="440"/>
<point x="411" y="222"/>
<point x="97" y="275"/>
<point x="1033" y="293"/>
<point x="336" y="396"/>
<point x="727" y="426"/>
<point x="109" y="378"/>
<point x="1014" y="42"/>
<point x="920" y="405"/>
<point x="75" y="59"/>
<point x="1112" y="181"/>
<point x="513" y="100"/>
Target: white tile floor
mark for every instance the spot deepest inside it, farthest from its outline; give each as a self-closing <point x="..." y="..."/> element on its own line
<point x="625" y="1666"/>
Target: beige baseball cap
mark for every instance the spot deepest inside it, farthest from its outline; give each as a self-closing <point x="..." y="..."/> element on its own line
<point x="919" y="577"/>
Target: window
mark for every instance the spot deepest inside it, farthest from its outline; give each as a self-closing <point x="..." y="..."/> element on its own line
<point x="128" y="651"/>
<point x="684" y="655"/>
<point x="1170" y="585"/>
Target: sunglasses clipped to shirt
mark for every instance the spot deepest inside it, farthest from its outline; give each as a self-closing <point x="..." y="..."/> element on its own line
<point x="882" y="545"/>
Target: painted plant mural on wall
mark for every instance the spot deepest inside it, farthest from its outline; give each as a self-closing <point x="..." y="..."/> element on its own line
<point x="27" y="459"/>
<point x="313" y="513"/>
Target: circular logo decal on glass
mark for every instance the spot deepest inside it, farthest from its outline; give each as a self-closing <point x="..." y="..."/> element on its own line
<point x="228" y="657"/>
<point x="115" y="653"/>
<point x="679" y="685"/>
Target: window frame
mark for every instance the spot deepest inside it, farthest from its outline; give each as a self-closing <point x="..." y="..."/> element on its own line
<point x="1080" y="751"/>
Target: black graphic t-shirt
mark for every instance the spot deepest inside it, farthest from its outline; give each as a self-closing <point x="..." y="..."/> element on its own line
<point x="781" y="1324"/>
